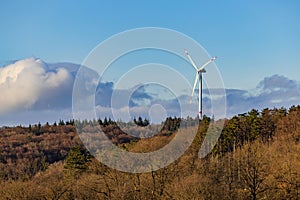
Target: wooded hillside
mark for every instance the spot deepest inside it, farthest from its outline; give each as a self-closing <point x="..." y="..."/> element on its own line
<point x="256" y="157"/>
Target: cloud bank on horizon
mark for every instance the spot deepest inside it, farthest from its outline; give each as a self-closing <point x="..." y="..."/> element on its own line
<point x="274" y="91"/>
<point x="33" y="91"/>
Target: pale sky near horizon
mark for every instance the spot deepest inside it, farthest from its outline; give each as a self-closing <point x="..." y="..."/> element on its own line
<point x="253" y="39"/>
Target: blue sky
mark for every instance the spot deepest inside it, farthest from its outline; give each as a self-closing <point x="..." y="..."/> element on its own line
<point x="253" y="39"/>
<point x="257" y="43"/>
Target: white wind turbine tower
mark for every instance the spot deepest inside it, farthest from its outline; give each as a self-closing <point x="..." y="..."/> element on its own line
<point x="198" y="78"/>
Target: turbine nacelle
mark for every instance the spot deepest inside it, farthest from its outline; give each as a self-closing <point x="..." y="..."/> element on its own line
<point x="201" y="71"/>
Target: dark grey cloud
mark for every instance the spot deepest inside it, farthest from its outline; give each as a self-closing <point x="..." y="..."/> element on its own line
<point x="104" y="94"/>
<point x="277" y="83"/>
<point x="273" y="91"/>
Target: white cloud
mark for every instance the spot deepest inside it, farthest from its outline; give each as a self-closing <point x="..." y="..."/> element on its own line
<point x="26" y="81"/>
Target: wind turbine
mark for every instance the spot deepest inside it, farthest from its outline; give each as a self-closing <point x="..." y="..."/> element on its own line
<point x="199" y="72"/>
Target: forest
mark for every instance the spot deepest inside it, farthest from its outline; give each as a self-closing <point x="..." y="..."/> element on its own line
<point x="257" y="156"/>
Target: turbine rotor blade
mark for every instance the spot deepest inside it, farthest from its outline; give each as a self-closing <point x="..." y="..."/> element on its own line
<point x="195" y="83"/>
<point x="207" y="63"/>
<point x="190" y="59"/>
